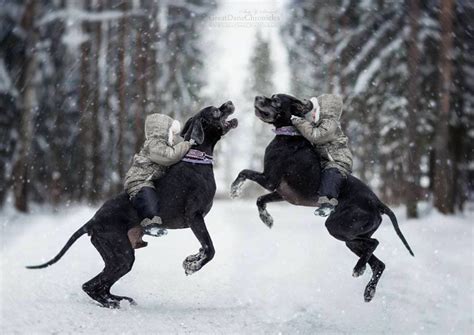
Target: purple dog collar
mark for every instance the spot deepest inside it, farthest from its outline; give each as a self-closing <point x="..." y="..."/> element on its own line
<point x="198" y="157"/>
<point x="287" y="131"/>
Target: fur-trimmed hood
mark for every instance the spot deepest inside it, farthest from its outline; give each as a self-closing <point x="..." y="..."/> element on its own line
<point x="326" y="106"/>
<point x="161" y="126"/>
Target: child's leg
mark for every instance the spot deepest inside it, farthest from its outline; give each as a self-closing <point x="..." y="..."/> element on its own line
<point x="146" y="203"/>
<point x="331" y="182"/>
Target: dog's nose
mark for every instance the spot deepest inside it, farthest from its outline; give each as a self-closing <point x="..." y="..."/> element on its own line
<point x="229" y="103"/>
<point x="259" y="98"/>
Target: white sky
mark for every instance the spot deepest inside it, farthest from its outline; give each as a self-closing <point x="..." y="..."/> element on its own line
<point x="229" y="39"/>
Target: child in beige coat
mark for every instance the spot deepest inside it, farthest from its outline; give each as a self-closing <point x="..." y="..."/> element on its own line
<point x="322" y="128"/>
<point x="158" y="153"/>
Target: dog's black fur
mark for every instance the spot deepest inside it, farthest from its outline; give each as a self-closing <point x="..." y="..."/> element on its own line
<point x="292" y="173"/>
<point x="187" y="192"/>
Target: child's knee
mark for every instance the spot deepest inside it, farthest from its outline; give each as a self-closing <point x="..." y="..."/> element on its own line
<point x="146" y="202"/>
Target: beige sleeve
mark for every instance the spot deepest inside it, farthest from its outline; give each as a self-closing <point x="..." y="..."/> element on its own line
<point x="167" y="155"/>
<point x="177" y="139"/>
<point x="322" y="133"/>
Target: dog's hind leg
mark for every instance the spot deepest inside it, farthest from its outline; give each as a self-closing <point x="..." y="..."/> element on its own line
<point x="377" y="269"/>
<point x="258" y="177"/>
<point x="362" y="247"/>
<point x="262" y="207"/>
<point x="118" y="256"/>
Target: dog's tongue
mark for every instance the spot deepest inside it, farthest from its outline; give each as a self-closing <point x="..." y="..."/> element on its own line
<point x="232" y="123"/>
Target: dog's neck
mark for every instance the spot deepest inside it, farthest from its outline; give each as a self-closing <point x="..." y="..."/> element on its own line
<point x="282" y="123"/>
<point x="206" y="147"/>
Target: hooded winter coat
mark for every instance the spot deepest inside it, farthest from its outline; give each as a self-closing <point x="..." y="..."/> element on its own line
<point x="326" y="134"/>
<point x="156" y="155"/>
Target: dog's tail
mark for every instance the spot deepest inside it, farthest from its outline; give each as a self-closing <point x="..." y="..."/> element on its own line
<point x="385" y="210"/>
<point x="81" y="231"/>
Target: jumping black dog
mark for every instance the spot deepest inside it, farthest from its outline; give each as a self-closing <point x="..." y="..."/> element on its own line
<point x="191" y="186"/>
<point x="292" y="173"/>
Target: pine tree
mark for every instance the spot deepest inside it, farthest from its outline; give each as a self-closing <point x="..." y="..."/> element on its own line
<point x="83" y="88"/>
<point x="179" y="56"/>
<point x="368" y="51"/>
<point x="413" y="155"/>
<point x="11" y="46"/>
<point x="28" y="104"/>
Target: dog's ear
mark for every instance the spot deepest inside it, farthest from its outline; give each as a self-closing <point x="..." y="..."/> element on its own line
<point x="193" y="130"/>
<point x="301" y="107"/>
<point x="186" y="131"/>
<point x="197" y="132"/>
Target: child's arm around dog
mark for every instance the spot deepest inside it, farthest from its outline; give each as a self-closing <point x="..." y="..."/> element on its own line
<point x="328" y="123"/>
<point x="167" y="155"/>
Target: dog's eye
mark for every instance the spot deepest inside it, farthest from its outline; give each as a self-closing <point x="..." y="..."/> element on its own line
<point x="276" y="102"/>
<point x="216" y="114"/>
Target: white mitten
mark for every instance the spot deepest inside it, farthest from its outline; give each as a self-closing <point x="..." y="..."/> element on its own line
<point x="174" y="130"/>
<point x="315" y="113"/>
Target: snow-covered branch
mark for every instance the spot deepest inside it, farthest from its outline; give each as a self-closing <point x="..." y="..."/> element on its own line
<point x="83" y="15"/>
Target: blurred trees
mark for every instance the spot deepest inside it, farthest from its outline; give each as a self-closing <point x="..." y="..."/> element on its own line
<point x="390" y="60"/>
<point x="77" y="79"/>
<point x="260" y="83"/>
<point x="28" y="103"/>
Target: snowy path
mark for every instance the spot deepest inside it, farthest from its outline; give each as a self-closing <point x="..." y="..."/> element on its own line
<point x="292" y="279"/>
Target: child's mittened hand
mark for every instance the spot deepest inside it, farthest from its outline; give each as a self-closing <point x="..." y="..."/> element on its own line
<point x="193" y="142"/>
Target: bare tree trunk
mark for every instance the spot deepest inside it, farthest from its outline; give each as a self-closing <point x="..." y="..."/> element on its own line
<point x="413" y="163"/>
<point x="28" y="103"/>
<point x="84" y="107"/>
<point x="332" y="64"/>
<point x="443" y="171"/>
<point x="94" y="191"/>
<point x="58" y="175"/>
<point x="152" y="59"/>
<point x="121" y="82"/>
<point x="110" y="115"/>
<point x="140" y="112"/>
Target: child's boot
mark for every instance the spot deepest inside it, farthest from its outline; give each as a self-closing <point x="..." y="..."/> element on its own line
<point x="152" y="227"/>
<point x="135" y="235"/>
<point x="326" y="206"/>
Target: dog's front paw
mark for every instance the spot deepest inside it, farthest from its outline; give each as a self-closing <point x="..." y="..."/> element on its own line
<point x="193" y="263"/>
<point x="266" y="217"/>
<point x="236" y="188"/>
<point x="195" y="257"/>
<point x="358" y="271"/>
<point x="191" y="267"/>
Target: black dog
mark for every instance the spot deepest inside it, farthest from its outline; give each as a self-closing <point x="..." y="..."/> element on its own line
<point x="191" y="186"/>
<point x="292" y="173"/>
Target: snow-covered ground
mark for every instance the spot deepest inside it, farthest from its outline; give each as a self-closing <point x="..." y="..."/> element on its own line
<point x="292" y="279"/>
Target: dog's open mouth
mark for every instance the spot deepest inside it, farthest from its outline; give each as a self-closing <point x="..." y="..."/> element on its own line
<point x="231" y="124"/>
